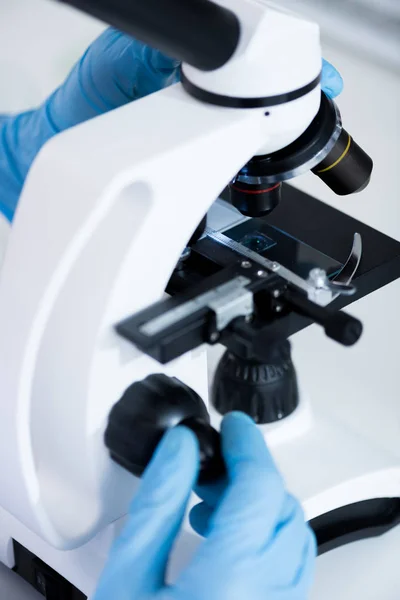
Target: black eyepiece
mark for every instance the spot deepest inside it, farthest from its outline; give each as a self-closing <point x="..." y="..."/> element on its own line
<point x="347" y="168"/>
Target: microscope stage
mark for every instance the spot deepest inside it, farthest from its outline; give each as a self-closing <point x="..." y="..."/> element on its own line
<point x="329" y="232"/>
<point x="276" y="245"/>
<point x="308" y="230"/>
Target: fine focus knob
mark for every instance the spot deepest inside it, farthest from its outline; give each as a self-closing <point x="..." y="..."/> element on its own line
<point x="267" y="391"/>
<point x="148" y="409"/>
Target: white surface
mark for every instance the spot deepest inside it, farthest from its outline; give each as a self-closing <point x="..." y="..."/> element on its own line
<point x="370" y="108"/>
<point x="369" y="371"/>
<point x="369" y="28"/>
<point x="367" y="570"/>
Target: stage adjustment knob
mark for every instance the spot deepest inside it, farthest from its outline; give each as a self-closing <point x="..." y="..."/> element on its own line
<point x="265" y="391"/>
<point x="147" y="409"/>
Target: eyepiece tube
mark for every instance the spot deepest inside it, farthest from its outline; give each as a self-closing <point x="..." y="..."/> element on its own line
<point x="347" y="168"/>
<point x="197" y="32"/>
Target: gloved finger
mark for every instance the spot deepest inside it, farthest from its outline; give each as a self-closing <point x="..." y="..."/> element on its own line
<point x="138" y="560"/>
<point x="115" y="70"/>
<point x="289" y="540"/>
<point x="331" y="82"/>
<point x="212" y="493"/>
<point x="306" y="568"/>
<point x="246" y="516"/>
<point x="201" y="514"/>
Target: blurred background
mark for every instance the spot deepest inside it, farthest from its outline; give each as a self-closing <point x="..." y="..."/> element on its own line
<point x="366" y="27"/>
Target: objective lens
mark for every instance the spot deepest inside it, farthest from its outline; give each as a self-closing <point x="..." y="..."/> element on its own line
<point x="347" y="168"/>
<point x="325" y="148"/>
<point x="255" y="200"/>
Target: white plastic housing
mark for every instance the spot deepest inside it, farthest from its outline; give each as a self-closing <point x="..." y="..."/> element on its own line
<point x="279" y="52"/>
<point x="105" y="213"/>
<point x="109" y="236"/>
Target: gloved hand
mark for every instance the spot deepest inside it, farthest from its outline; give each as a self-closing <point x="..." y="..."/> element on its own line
<point x="116" y="69"/>
<point x="257" y="544"/>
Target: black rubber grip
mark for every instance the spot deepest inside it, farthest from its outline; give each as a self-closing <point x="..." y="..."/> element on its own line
<point x="197" y="32"/>
<point x="338" y="325"/>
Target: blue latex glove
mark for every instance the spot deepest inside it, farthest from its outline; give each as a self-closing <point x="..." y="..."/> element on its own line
<point x="331" y="81"/>
<point x="116" y="69"/>
<point x="257" y="545"/>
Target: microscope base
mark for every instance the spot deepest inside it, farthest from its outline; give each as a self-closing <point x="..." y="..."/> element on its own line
<point x="350" y="490"/>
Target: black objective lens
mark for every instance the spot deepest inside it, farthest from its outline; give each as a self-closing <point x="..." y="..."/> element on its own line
<point x="347" y="168"/>
<point x="255" y="200"/>
<point x="325" y="148"/>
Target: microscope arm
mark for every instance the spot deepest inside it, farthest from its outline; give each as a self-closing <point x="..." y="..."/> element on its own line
<point x="200" y="33"/>
<point x="105" y="213"/>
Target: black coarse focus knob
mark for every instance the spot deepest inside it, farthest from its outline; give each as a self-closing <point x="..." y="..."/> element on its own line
<point x="149" y="408"/>
<point x="266" y="391"/>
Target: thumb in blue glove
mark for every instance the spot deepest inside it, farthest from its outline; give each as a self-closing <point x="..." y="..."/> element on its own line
<point x="257" y="543"/>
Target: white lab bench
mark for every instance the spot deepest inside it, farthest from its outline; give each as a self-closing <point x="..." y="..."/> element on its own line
<point x="39" y="40"/>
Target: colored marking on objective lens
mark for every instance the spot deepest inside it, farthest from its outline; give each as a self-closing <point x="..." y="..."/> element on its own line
<point x="238" y="189"/>
<point x="332" y="166"/>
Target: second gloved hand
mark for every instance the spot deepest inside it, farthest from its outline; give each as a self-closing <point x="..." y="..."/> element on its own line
<point x="257" y="544"/>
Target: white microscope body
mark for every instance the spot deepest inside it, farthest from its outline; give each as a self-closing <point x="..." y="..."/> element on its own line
<point x="105" y="213"/>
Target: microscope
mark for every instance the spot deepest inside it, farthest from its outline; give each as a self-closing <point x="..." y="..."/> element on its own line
<point x="160" y="230"/>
